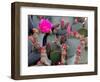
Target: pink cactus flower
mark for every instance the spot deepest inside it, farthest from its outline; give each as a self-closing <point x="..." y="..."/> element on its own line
<point x="62" y="22"/>
<point x="79" y="50"/>
<point x="45" y="25"/>
<point x="75" y="33"/>
<point x="69" y="29"/>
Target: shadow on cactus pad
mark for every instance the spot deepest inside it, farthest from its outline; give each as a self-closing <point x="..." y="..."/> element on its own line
<point x="83" y="31"/>
<point x="55" y="57"/>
